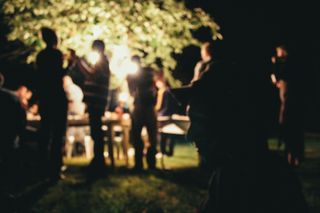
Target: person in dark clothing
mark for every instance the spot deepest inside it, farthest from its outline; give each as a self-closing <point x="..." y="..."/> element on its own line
<point x="280" y="77"/>
<point x="290" y="113"/>
<point x="144" y="114"/>
<point x="166" y="106"/>
<point x="96" y="89"/>
<point x="12" y="124"/>
<point x="74" y="69"/>
<point x="206" y="61"/>
<point x="227" y="128"/>
<point x="53" y="105"/>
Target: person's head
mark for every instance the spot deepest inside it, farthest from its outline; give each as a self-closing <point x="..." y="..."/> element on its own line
<point x="281" y="51"/>
<point x="160" y="84"/>
<point x="49" y="36"/>
<point x="24" y="93"/>
<point x="98" y="45"/>
<point x="206" y="50"/>
<point x="136" y="59"/>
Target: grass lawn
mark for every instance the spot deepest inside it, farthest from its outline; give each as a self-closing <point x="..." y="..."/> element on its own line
<point x="179" y="188"/>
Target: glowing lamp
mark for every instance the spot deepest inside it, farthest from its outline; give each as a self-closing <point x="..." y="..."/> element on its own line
<point x="94" y="57"/>
<point x="132" y="67"/>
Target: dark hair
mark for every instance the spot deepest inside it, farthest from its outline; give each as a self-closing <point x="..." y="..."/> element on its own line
<point x="136" y="59"/>
<point x="98" y="45"/>
<point x="49" y="36"/>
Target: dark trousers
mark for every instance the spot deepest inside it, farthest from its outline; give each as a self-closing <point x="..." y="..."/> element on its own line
<point x="167" y="142"/>
<point x="95" y="116"/>
<point x="144" y="116"/>
<point x="52" y="134"/>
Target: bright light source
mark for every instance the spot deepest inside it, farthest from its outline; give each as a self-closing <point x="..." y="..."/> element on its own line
<point x="120" y="63"/>
<point x="94" y="57"/>
<point x="131" y="67"/>
<point x="123" y="96"/>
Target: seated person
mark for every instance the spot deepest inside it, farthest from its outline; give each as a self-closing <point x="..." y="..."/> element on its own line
<point x="75" y="135"/>
<point x="74" y="96"/>
<point x="166" y="106"/>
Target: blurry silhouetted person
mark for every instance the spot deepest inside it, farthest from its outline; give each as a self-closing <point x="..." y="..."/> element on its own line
<point x="96" y="89"/>
<point x="290" y="113"/>
<point x="280" y="77"/>
<point x="206" y="61"/>
<point x="245" y="176"/>
<point x="166" y="105"/>
<point x="12" y="124"/>
<point x="52" y="103"/>
<point x="74" y="95"/>
<point x="144" y="114"/>
<point x="74" y="69"/>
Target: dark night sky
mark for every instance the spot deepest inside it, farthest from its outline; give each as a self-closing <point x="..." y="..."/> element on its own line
<point x="251" y="29"/>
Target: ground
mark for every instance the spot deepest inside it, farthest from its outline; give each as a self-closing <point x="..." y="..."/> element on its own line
<point x="180" y="187"/>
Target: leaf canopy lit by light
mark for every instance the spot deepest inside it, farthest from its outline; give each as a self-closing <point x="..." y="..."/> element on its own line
<point x="151" y="28"/>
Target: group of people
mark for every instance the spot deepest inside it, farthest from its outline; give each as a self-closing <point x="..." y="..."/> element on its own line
<point x="84" y="87"/>
<point x="229" y="110"/>
<point x="94" y="80"/>
<point x="280" y="86"/>
<point x="227" y="123"/>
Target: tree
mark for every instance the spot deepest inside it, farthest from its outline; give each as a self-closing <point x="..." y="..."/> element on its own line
<point x="153" y="29"/>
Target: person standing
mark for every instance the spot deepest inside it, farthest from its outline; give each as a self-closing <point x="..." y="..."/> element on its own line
<point x="206" y="61"/>
<point x="280" y="77"/>
<point x="290" y="114"/>
<point x="53" y="103"/>
<point x="96" y="87"/>
<point x="144" y="114"/>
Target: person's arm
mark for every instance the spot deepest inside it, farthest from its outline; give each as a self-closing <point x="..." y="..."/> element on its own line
<point x="85" y="68"/>
<point x="196" y="72"/>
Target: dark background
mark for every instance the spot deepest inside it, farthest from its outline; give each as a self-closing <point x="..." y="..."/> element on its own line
<point x="253" y="28"/>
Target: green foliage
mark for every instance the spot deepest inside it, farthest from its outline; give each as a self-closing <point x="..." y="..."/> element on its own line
<point x="156" y="27"/>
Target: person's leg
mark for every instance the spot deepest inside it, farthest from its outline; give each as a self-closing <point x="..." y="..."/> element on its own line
<point x="45" y="133"/>
<point x="95" y="122"/>
<point x="151" y="124"/>
<point x="171" y="142"/>
<point x="137" y="124"/>
<point x="163" y="143"/>
<point x="58" y="140"/>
